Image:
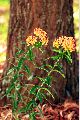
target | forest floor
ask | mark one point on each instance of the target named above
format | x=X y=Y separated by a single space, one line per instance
x=67 y=111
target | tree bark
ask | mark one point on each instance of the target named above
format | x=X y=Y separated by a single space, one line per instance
x=53 y=16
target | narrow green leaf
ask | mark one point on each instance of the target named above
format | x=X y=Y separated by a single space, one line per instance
x=18 y=86
x=19 y=97
x=49 y=66
x=43 y=69
x=34 y=88
x=58 y=66
x=22 y=110
x=39 y=96
x=20 y=63
x=32 y=116
x=57 y=50
x=19 y=52
x=48 y=80
x=15 y=104
x=11 y=70
x=9 y=89
x=30 y=54
x=44 y=95
x=15 y=77
x=41 y=79
x=46 y=89
x=55 y=57
x=27 y=69
x=31 y=105
x=62 y=74
x=68 y=57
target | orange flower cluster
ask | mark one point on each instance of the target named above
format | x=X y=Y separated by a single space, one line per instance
x=42 y=35
x=39 y=35
x=31 y=40
x=67 y=43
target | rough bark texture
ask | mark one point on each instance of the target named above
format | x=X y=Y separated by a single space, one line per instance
x=53 y=16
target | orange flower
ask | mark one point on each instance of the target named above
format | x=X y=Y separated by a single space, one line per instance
x=44 y=41
x=67 y=43
x=39 y=31
x=31 y=40
x=42 y=35
x=56 y=43
x=39 y=35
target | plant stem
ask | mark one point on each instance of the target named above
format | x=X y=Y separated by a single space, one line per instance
x=53 y=67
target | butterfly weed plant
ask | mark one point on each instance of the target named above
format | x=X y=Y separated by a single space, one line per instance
x=62 y=46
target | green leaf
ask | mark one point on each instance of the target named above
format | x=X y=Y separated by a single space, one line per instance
x=48 y=80
x=20 y=63
x=32 y=116
x=39 y=96
x=58 y=66
x=22 y=110
x=21 y=75
x=44 y=95
x=43 y=69
x=41 y=79
x=57 y=50
x=15 y=102
x=19 y=97
x=27 y=69
x=69 y=60
x=10 y=88
x=19 y=52
x=68 y=57
x=46 y=89
x=62 y=74
x=15 y=77
x=30 y=54
x=31 y=105
x=11 y=70
x=34 y=88
x=55 y=57
x=18 y=87
x=49 y=66
x=38 y=44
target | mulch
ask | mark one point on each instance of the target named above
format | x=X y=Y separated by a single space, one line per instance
x=66 y=111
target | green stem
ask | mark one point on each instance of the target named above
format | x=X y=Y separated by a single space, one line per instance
x=53 y=67
x=39 y=90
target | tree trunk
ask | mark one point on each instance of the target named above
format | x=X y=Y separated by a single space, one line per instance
x=53 y=16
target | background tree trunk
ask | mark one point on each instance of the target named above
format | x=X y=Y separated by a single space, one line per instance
x=53 y=16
